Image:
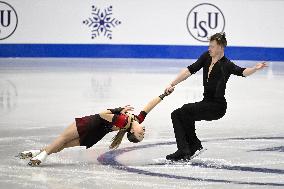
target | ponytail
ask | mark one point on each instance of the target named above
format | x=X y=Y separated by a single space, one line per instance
x=116 y=140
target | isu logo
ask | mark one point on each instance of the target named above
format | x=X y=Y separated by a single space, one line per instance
x=204 y=20
x=8 y=20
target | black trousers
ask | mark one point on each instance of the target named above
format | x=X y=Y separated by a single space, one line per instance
x=184 y=118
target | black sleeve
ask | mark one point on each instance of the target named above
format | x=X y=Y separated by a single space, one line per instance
x=116 y=110
x=196 y=66
x=236 y=70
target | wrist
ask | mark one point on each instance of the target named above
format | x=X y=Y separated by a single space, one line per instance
x=116 y=110
x=162 y=96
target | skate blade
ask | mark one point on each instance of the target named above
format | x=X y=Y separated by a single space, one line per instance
x=24 y=155
x=198 y=153
x=164 y=161
x=34 y=163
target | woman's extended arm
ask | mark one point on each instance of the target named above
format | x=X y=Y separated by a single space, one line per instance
x=109 y=113
x=154 y=102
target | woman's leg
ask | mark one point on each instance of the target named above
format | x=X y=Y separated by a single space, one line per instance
x=72 y=143
x=68 y=135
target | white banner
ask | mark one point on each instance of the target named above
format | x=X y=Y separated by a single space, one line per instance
x=256 y=23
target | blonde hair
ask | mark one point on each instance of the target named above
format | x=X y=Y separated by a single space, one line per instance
x=116 y=140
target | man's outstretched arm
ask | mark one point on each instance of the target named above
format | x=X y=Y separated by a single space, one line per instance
x=258 y=66
x=183 y=75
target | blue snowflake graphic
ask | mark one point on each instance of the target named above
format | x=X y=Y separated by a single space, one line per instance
x=101 y=22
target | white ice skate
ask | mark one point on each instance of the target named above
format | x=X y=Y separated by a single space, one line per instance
x=35 y=161
x=28 y=154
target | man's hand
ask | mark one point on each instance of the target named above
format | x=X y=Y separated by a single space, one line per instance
x=169 y=89
x=261 y=65
x=126 y=109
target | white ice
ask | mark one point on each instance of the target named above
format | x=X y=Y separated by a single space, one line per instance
x=40 y=97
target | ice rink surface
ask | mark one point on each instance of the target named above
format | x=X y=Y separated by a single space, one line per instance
x=41 y=97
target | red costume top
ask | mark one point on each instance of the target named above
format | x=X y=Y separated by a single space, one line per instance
x=121 y=120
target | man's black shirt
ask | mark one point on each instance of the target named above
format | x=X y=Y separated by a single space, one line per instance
x=215 y=85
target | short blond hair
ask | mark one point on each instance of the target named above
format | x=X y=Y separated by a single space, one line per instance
x=220 y=38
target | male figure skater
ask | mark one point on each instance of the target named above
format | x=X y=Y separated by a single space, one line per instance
x=216 y=72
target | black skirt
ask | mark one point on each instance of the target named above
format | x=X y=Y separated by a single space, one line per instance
x=92 y=129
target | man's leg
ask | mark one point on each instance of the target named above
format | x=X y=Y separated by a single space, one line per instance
x=204 y=110
x=191 y=137
x=180 y=135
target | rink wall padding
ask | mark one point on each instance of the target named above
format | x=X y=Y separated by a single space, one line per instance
x=135 y=51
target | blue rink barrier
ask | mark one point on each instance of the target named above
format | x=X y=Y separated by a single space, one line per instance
x=134 y=51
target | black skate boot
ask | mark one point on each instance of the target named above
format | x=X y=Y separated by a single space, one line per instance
x=194 y=151
x=175 y=156
x=178 y=155
x=196 y=147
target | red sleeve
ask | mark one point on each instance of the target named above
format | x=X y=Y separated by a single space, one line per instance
x=120 y=120
x=141 y=116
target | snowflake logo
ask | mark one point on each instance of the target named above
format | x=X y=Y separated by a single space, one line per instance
x=101 y=22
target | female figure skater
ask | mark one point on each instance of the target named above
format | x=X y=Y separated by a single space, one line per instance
x=88 y=130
